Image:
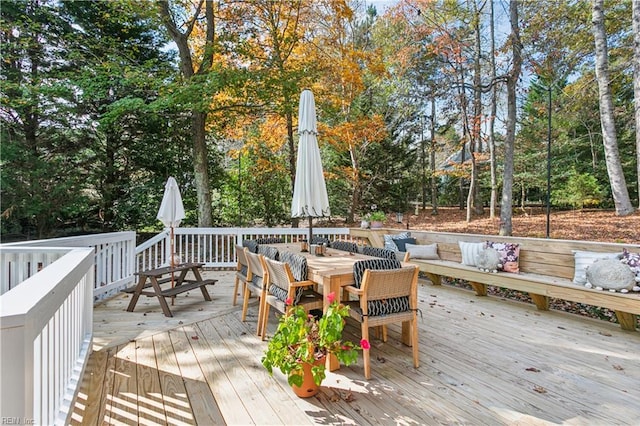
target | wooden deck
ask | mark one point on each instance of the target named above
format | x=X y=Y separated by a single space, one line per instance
x=484 y=361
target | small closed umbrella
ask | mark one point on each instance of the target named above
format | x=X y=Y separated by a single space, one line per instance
x=309 y=192
x=171 y=213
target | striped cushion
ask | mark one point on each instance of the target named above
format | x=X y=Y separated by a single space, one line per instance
x=297 y=264
x=469 y=252
x=345 y=246
x=379 y=252
x=251 y=244
x=270 y=252
x=386 y=306
x=282 y=294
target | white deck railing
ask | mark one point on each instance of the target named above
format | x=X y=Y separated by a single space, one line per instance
x=215 y=247
x=46 y=330
x=114 y=258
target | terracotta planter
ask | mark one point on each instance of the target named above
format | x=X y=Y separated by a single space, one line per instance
x=308 y=387
x=376 y=224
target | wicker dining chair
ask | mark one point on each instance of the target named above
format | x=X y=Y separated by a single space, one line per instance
x=349 y=246
x=242 y=268
x=282 y=285
x=386 y=296
x=256 y=284
x=379 y=252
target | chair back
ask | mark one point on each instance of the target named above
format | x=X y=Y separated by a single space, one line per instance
x=270 y=240
x=257 y=268
x=243 y=265
x=297 y=264
x=268 y=251
x=379 y=252
x=391 y=283
x=252 y=245
x=349 y=246
x=376 y=264
x=320 y=240
x=280 y=280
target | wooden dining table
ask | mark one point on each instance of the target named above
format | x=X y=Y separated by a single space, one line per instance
x=332 y=271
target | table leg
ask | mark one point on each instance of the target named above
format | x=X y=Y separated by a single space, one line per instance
x=136 y=293
x=163 y=302
x=203 y=289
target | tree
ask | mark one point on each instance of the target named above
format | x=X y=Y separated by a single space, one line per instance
x=612 y=156
x=636 y=84
x=193 y=70
x=506 y=208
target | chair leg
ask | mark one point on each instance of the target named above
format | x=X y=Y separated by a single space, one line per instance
x=265 y=321
x=235 y=291
x=261 y=303
x=414 y=341
x=384 y=333
x=245 y=302
x=365 y=352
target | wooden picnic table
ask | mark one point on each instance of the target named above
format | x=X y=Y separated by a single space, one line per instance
x=154 y=278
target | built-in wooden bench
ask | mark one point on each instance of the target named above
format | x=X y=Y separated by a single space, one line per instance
x=546 y=269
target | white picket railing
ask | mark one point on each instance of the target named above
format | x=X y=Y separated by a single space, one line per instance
x=46 y=331
x=114 y=259
x=215 y=247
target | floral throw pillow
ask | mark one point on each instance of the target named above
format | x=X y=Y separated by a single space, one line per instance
x=509 y=255
x=633 y=261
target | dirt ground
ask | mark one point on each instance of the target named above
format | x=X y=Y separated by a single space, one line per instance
x=590 y=225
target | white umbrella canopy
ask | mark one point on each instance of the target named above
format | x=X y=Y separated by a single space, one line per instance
x=171 y=211
x=309 y=192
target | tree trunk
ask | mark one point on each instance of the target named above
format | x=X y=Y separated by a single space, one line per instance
x=636 y=84
x=201 y=169
x=198 y=118
x=477 y=117
x=506 y=207
x=434 y=184
x=492 y=119
x=607 y=122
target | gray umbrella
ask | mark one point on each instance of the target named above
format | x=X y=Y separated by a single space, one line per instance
x=309 y=192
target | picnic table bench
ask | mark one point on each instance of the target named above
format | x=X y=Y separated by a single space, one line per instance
x=546 y=266
x=154 y=278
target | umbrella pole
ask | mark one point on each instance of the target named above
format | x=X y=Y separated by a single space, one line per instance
x=310 y=230
x=171 y=264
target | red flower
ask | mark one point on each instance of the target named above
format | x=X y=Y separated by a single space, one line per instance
x=289 y=301
x=331 y=297
x=364 y=344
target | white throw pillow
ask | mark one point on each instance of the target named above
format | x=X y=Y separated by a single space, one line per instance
x=585 y=258
x=469 y=252
x=423 y=251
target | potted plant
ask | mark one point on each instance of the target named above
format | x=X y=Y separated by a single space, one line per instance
x=377 y=219
x=302 y=342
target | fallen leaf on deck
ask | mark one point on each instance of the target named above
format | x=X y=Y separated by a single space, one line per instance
x=381 y=359
x=539 y=389
x=535 y=370
x=334 y=398
x=349 y=397
x=194 y=337
x=618 y=367
x=605 y=333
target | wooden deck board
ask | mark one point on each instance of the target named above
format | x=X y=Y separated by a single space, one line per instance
x=203 y=367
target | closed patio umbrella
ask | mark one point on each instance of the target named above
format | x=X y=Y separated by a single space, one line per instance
x=171 y=213
x=309 y=192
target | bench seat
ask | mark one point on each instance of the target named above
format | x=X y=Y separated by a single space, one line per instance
x=546 y=269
